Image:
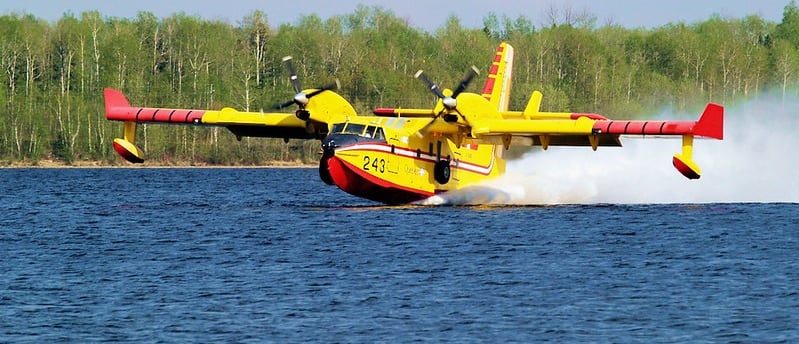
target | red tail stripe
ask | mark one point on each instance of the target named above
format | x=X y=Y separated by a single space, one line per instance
x=489 y=87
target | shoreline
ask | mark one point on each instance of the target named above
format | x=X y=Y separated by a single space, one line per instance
x=100 y=164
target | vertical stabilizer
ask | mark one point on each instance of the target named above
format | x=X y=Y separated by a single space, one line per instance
x=498 y=84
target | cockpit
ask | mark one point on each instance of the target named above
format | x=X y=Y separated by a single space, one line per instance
x=370 y=132
x=345 y=134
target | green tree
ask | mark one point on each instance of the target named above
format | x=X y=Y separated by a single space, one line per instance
x=788 y=29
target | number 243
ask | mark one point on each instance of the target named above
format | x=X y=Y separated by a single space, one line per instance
x=374 y=164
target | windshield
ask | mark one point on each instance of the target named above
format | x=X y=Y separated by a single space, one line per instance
x=361 y=130
x=356 y=129
x=337 y=128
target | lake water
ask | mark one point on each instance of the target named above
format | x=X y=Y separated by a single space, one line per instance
x=273 y=255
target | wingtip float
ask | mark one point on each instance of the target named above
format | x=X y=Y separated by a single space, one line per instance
x=398 y=155
x=116 y=102
x=709 y=125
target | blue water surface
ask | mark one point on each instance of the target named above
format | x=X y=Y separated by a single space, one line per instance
x=274 y=255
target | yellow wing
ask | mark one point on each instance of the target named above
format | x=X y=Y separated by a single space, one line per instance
x=320 y=111
x=533 y=127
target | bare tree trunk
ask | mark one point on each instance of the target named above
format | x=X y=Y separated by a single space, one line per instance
x=95 y=46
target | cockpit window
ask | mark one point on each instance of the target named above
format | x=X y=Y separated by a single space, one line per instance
x=356 y=129
x=374 y=132
x=362 y=130
x=379 y=134
x=337 y=128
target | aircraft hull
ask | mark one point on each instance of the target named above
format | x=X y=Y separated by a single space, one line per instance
x=396 y=175
x=355 y=181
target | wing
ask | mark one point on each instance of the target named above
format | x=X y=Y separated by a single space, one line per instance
x=476 y=119
x=321 y=110
x=586 y=129
x=546 y=129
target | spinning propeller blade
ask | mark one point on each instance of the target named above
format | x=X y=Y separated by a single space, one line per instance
x=301 y=98
x=284 y=105
x=450 y=103
x=329 y=87
x=295 y=81
x=430 y=85
x=473 y=72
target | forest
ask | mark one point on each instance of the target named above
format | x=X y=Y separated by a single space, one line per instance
x=53 y=73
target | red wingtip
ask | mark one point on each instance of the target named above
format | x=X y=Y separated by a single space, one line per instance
x=711 y=123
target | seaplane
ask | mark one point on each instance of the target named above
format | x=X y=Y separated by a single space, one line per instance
x=399 y=156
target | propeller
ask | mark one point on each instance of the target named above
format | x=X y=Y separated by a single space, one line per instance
x=301 y=98
x=449 y=102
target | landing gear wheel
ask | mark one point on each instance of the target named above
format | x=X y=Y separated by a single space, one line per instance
x=324 y=173
x=441 y=172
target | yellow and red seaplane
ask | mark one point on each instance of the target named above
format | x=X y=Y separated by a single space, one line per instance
x=397 y=156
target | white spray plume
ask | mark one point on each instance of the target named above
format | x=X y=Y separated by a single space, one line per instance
x=756 y=162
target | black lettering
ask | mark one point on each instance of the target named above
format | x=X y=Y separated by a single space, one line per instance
x=377 y=165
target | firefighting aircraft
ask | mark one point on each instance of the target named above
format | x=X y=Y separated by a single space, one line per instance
x=397 y=156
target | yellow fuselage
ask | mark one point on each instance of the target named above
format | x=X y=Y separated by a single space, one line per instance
x=384 y=161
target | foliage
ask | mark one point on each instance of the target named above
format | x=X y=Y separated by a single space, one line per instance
x=53 y=74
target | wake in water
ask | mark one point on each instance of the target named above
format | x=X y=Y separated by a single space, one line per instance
x=755 y=162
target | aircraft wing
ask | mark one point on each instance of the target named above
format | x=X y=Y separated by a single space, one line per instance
x=322 y=109
x=578 y=129
x=561 y=129
x=259 y=124
x=280 y=125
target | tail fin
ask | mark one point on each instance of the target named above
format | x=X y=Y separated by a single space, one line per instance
x=498 y=84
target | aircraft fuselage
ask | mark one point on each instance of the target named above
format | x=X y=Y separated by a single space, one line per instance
x=381 y=163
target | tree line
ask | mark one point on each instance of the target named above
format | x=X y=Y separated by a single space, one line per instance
x=53 y=73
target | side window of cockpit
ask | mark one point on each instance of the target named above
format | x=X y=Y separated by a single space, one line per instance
x=379 y=134
x=374 y=132
x=370 y=131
